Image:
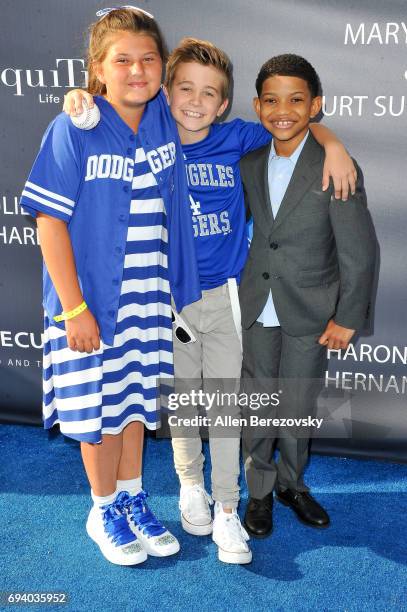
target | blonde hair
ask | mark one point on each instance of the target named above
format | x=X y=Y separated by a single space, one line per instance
x=202 y=52
x=118 y=20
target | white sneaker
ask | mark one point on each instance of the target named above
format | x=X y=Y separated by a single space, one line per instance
x=157 y=541
x=108 y=527
x=230 y=537
x=196 y=515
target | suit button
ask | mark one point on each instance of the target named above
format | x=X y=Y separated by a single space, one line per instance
x=273 y=245
x=266 y=275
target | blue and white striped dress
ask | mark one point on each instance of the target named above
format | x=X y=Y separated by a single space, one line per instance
x=101 y=393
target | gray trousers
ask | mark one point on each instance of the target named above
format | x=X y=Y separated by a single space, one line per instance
x=213 y=361
x=272 y=362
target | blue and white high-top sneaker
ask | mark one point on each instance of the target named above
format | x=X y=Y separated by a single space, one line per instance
x=108 y=527
x=157 y=541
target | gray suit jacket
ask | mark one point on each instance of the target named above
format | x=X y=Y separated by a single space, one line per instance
x=317 y=256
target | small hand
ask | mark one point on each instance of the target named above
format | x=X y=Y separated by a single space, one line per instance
x=339 y=165
x=83 y=333
x=335 y=336
x=73 y=101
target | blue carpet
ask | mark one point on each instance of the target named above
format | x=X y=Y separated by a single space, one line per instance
x=358 y=564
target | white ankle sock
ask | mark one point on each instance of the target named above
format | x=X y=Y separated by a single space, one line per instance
x=103 y=501
x=133 y=486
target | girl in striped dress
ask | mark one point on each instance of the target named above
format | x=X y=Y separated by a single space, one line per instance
x=109 y=204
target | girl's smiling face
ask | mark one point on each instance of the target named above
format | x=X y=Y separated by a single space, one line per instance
x=131 y=70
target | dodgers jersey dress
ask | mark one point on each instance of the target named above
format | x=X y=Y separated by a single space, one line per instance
x=100 y=393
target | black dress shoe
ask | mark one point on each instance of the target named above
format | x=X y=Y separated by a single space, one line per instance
x=305 y=507
x=258 y=519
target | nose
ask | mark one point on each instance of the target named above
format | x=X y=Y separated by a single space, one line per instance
x=283 y=108
x=137 y=68
x=196 y=101
x=195 y=98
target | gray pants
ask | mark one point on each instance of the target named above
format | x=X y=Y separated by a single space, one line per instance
x=294 y=365
x=216 y=354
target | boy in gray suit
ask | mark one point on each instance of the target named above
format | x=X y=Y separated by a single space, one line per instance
x=306 y=285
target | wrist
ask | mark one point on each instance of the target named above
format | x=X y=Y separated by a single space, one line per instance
x=72 y=302
x=67 y=315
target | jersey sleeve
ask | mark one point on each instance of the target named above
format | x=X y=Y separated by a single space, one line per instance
x=251 y=135
x=53 y=184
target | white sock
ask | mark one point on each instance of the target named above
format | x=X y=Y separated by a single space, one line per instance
x=98 y=500
x=133 y=486
x=220 y=507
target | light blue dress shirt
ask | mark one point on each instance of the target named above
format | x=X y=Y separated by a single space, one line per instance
x=280 y=170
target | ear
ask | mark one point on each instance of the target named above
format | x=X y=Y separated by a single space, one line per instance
x=222 y=107
x=316 y=106
x=167 y=94
x=99 y=72
x=256 y=106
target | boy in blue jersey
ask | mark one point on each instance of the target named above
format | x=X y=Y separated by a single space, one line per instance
x=197 y=84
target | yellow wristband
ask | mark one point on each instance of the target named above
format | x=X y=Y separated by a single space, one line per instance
x=65 y=316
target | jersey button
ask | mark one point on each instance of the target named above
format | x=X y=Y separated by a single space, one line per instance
x=129 y=151
x=266 y=275
x=115 y=281
x=122 y=217
x=118 y=250
x=273 y=245
x=131 y=137
x=126 y=188
x=111 y=313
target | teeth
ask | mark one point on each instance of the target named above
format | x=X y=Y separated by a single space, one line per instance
x=283 y=123
x=192 y=114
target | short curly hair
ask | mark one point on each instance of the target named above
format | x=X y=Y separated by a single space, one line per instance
x=289 y=64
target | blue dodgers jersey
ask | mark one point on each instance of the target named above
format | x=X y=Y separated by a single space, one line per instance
x=216 y=198
x=85 y=179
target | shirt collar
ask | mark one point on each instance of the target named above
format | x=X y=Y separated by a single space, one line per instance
x=294 y=156
x=113 y=117
x=148 y=120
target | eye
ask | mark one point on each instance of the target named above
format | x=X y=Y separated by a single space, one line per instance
x=296 y=100
x=209 y=93
x=269 y=100
x=122 y=60
x=185 y=88
x=149 y=59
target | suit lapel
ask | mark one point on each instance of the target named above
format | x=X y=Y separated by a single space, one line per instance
x=304 y=174
x=262 y=188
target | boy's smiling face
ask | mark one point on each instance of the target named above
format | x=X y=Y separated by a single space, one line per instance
x=196 y=100
x=285 y=108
